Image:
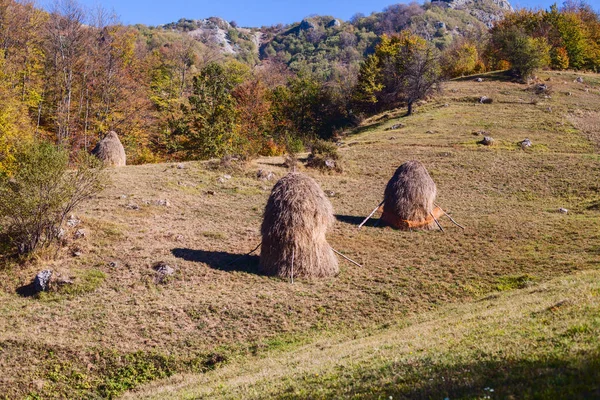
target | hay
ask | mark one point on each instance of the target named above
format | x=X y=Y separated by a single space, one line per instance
x=409 y=198
x=295 y=221
x=110 y=151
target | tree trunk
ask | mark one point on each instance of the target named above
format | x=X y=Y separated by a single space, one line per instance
x=410 y=108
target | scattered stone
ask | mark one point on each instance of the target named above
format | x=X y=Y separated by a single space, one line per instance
x=264 y=175
x=180 y=166
x=487 y=141
x=446 y=105
x=123 y=196
x=481 y=133
x=41 y=282
x=549 y=109
x=329 y=193
x=80 y=233
x=163 y=271
x=113 y=264
x=569 y=94
x=132 y=206
x=541 y=87
x=586 y=90
x=211 y=192
x=430 y=132
x=394 y=127
x=579 y=79
x=61 y=233
x=549 y=79
x=563 y=210
x=163 y=203
x=76 y=253
x=221 y=180
x=73 y=221
x=392 y=138
x=179 y=238
x=479 y=80
x=485 y=100
x=525 y=143
x=329 y=163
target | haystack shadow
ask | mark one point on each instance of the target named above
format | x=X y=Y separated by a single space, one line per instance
x=357 y=219
x=221 y=260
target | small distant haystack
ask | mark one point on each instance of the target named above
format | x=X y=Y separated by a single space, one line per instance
x=409 y=198
x=110 y=151
x=295 y=221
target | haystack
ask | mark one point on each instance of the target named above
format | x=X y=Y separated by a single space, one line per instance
x=295 y=221
x=110 y=150
x=409 y=199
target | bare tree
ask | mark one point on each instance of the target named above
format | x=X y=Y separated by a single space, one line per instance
x=65 y=47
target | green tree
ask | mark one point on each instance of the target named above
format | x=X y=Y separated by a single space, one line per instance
x=209 y=126
x=525 y=53
x=369 y=84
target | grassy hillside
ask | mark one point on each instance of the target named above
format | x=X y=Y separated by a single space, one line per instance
x=119 y=325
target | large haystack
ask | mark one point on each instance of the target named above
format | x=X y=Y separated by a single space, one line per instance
x=409 y=198
x=296 y=218
x=110 y=151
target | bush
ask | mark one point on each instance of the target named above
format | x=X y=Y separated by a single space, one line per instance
x=324 y=156
x=42 y=192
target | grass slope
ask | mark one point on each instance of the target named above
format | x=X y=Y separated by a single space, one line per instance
x=539 y=342
x=120 y=327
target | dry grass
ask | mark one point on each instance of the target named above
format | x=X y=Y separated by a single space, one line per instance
x=409 y=197
x=295 y=222
x=110 y=150
x=506 y=197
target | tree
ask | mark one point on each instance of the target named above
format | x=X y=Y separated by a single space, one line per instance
x=404 y=68
x=525 y=53
x=209 y=126
x=369 y=84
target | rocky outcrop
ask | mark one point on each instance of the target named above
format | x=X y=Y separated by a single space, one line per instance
x=487 y=11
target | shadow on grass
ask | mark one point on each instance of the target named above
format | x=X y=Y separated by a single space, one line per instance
x=26 y=290
x=221 y=260
x=356 y=220
x=496 y=76
x=364 y=128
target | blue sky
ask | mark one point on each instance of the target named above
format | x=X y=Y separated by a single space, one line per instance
x=254 y=13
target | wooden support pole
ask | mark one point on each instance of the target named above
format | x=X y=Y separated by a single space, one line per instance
x=370 y=215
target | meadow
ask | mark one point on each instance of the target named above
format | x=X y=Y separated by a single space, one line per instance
x=510 y=304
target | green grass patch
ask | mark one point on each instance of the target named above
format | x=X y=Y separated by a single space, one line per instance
x=514 y=282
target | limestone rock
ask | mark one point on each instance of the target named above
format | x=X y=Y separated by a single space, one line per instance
x=41 y=282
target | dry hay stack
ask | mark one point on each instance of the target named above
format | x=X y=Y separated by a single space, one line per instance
x=296 y=219
x=409 y=198
x=110 y=151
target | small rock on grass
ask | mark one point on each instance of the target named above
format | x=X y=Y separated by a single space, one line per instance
x=264 y=175
x=41 y=282
x=163 y=271
x=80 y=233
x=563 y=210
x=525 y=143
x=487 y=141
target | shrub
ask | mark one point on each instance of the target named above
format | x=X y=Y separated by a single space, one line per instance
x=42 y=192
x=324 y=156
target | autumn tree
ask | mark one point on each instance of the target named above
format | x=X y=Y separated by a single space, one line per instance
x=525 y=53
x=209 y=126
x=404 y=69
